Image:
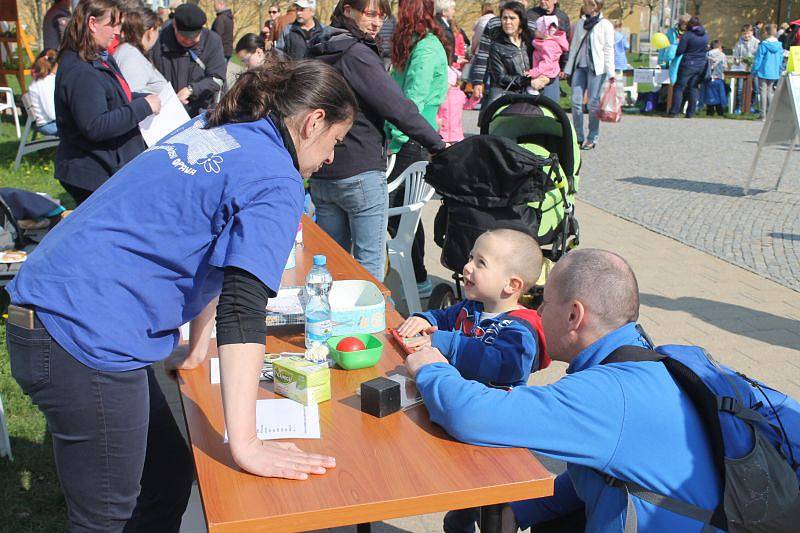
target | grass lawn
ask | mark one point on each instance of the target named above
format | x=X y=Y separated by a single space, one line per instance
x=29 y=492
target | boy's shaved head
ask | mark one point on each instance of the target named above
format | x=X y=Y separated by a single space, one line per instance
x=521 y=254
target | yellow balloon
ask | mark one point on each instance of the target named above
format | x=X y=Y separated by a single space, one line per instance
x=659 y=40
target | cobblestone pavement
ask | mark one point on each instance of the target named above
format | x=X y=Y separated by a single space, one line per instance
x=685 y=179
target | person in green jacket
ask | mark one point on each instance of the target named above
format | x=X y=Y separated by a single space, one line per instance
x=419 y=66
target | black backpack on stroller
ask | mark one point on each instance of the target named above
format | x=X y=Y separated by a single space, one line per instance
x=486 y=182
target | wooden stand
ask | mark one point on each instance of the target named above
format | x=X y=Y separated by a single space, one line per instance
x=9 y=14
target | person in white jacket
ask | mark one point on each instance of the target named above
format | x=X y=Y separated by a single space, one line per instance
x=139 y=33
x=590 y=64
x=42 y=92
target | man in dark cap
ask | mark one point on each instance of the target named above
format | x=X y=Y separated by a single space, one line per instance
x=191 y=58
x=54 y=23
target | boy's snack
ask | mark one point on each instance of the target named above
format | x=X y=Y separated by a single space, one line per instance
x=380 y=397
x=302 y=380
x=401 y=343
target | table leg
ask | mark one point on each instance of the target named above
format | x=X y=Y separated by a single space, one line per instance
x=364 y=528
x=747 y=93
x=669 y=98
x=733 y=96
x=491 y=518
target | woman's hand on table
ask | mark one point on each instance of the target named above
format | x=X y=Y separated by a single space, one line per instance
x=180 y=359
x=280 y=459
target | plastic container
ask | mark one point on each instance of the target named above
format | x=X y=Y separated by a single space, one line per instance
x=359 y=359
x=319 y=326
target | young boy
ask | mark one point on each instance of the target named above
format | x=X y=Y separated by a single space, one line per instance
x=767 y=65
x=489 y=337
x=716 y=93
x=743 y=54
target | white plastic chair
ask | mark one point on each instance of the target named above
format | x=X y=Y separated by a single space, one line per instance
x=38 y=141
x=389 y=167
x=5 y=444
x=8 y=103
x=417 y=194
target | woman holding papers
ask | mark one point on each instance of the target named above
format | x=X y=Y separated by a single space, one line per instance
x=97 y=113
x=139 y=33
x=200 y=224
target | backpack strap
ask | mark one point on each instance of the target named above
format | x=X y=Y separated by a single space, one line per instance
x=531 y=320
x=707 y=405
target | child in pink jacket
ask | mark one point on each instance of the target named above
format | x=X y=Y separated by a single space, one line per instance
x=547 y=50
x=451 y=129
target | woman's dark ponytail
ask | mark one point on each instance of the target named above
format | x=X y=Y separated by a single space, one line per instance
x=287 y=88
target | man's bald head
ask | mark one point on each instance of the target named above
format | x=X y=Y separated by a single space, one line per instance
x=602 y=281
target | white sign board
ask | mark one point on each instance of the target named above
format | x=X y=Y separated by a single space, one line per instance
x=782 y=124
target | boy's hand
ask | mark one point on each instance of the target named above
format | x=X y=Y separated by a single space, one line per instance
x=420 y=341
x=413 y=325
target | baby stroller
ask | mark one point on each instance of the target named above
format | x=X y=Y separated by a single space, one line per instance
x=521 y=172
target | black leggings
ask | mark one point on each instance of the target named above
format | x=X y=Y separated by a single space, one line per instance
x=78 y=194
x=410 y=153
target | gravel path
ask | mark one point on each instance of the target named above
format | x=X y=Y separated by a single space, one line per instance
x=685 y=179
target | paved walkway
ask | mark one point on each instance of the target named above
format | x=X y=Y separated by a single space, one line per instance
x=688 y=296
x=685 y=179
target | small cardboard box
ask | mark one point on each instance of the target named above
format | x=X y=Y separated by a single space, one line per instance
x=301 y=380
x=357 y=306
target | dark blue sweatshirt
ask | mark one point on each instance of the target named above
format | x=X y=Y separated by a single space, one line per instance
x=501 y=350
x=693 y=46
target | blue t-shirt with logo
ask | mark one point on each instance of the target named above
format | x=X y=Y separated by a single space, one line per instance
x=146 y=252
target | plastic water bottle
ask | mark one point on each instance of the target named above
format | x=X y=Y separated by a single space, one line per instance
x=319 y=326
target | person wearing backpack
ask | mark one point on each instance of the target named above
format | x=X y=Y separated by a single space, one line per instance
x=642 y=452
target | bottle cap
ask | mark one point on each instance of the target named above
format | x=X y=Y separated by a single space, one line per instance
x=320 y=260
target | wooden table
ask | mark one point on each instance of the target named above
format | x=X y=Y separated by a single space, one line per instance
x=399 y=465
x=747 y=89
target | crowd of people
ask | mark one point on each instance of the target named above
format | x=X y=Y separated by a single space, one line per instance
x=698 y=64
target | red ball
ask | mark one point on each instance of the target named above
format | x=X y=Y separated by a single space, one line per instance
x=350 y=344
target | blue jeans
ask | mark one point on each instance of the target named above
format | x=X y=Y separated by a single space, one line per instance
x=552 y=90
x=48 y=129
x=353 y=211
x=121 y=460
x=584 y=79
x=689 y=79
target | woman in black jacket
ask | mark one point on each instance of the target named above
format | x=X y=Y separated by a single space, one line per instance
x=510 y=53
x=97 y=115
x=692 y=50
x=351 y=195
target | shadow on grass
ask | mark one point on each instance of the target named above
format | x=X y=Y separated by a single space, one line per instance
x=29 y=491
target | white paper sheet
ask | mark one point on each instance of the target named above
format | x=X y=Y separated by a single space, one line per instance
x=285 y=419
x=173 y=114
x=286 y=302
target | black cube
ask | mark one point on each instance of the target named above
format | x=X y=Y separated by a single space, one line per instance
x=380 y=397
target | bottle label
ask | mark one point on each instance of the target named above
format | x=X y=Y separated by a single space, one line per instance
x=318 y=330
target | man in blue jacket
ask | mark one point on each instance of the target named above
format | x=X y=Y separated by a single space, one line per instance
x=629 y=420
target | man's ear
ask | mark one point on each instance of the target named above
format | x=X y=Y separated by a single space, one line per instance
x=313 y=124
x=577 y=315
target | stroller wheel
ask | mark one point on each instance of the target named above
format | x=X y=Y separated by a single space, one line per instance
x=442 y=297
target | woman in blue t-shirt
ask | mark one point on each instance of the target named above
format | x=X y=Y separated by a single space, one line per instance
x=202 y=221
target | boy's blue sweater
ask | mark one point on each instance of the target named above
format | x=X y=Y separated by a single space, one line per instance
x=769 y=60
x=495 y=351
x=630 y=420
